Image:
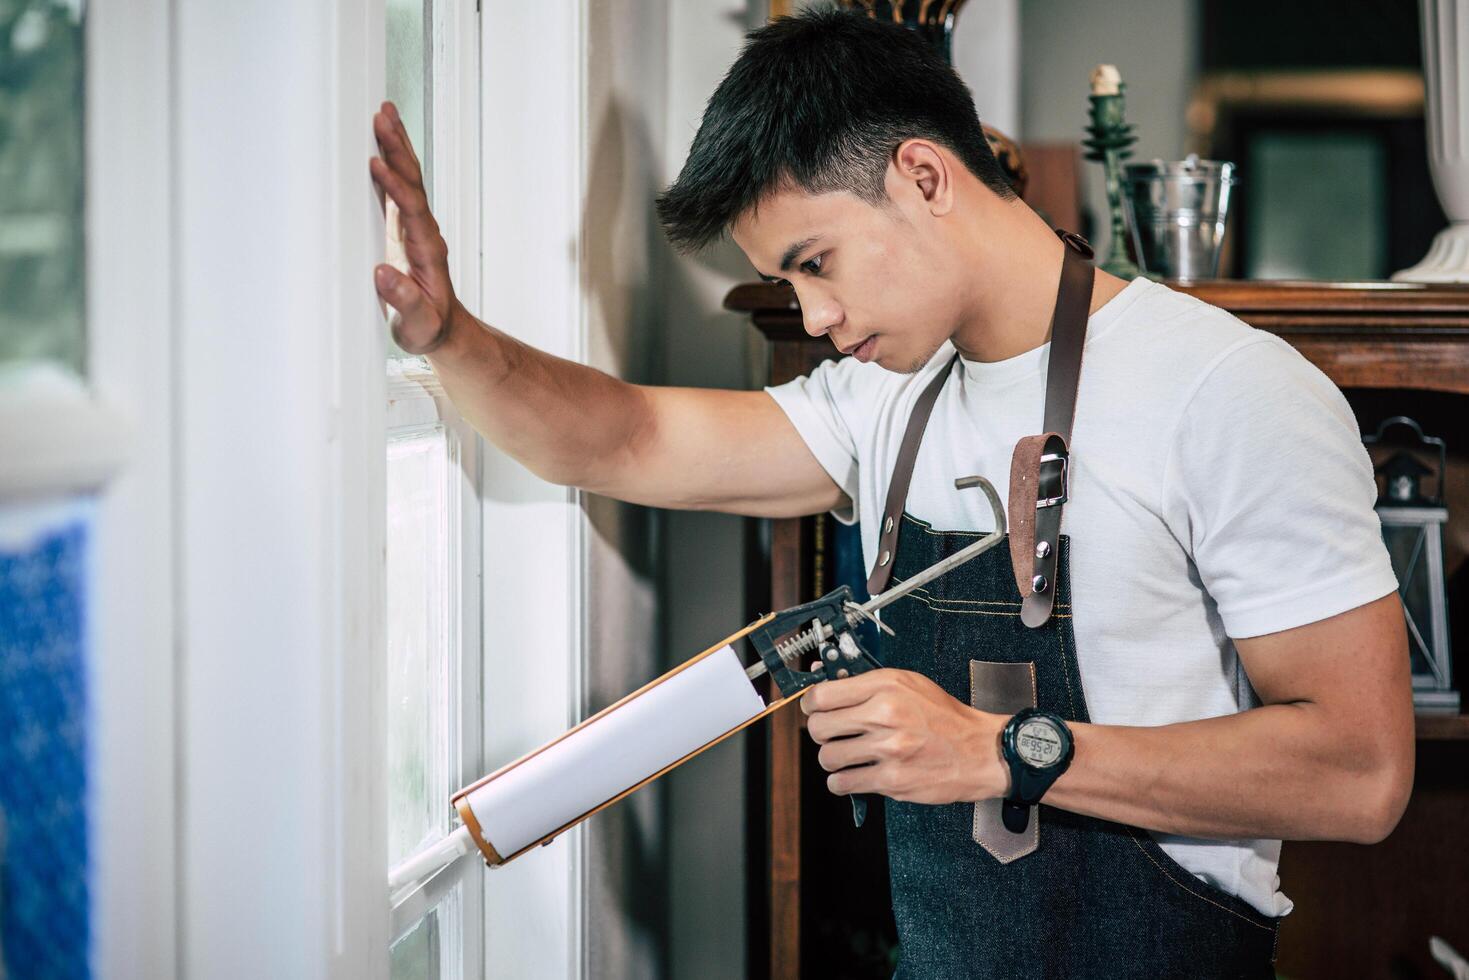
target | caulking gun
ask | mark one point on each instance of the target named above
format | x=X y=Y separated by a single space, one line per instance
x=670 y=720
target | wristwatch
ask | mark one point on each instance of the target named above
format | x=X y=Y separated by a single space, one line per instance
x=1037 y=747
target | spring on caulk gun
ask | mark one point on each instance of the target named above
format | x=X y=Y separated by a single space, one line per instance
x=810 y=640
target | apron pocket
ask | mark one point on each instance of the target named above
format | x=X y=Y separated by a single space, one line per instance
x=1002 y=689
x=1223 y=902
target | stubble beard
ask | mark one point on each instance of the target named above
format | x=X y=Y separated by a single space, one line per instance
x=917 y=364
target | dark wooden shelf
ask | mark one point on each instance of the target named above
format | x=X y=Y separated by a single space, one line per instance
x=1355 y=304
x=1403 y=303
x=1362 y=334
x=1442 y=728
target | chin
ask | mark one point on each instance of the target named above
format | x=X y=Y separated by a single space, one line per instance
x=910 y=364
x=899 y=364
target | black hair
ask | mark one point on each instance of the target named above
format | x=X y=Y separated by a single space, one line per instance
x=820 y=101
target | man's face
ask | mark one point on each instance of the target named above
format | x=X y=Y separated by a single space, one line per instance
x=876 y=280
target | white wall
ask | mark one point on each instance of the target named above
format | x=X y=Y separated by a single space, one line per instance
x=665 y=868
x=986 y=46
x=704 y=585
x=1153 y=43
x=627 y=867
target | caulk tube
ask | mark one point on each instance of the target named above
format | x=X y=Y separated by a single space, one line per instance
x=612 y=753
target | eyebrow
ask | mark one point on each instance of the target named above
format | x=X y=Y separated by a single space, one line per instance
x=791 y=257
x=795 y=250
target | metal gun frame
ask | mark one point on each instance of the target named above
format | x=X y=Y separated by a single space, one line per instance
x=833 y=619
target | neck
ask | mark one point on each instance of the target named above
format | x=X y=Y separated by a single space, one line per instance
x=1009 y=311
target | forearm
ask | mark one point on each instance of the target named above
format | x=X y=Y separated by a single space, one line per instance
x=709 y=449
x=1285 y=771
x=566 y=422
x=1329 y=757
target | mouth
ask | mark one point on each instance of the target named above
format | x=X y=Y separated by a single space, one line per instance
x=862 y=351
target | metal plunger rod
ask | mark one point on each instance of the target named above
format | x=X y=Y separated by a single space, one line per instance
x=808 y=640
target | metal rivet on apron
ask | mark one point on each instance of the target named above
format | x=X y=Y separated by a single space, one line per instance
x=884 y=558
x=1038 y=583
x=887 y=524
x=1042 y=549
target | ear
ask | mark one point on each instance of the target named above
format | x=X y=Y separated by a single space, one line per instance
x=919 y=164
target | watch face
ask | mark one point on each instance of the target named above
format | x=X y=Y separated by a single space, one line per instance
x=1038 y=742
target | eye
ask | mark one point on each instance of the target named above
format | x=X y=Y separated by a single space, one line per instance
x=813 y=264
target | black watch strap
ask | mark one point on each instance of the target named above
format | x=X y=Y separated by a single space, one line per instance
x=1016 y=815
x=1026 y=792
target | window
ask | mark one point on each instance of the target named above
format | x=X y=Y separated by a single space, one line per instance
x=433 y=648
x=41 y=182
x=432 y=541
x=421 y=532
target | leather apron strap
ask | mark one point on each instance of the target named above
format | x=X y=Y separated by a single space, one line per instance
x=892 y=513
x=1038 y=486
x=1038 y=468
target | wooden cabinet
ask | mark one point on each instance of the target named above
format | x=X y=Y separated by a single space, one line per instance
x=819 y=904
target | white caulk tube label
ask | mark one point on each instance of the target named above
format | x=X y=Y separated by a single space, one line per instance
x=621 y=749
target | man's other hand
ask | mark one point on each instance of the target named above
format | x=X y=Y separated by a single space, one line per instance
x=424 y=297
x=897 y=733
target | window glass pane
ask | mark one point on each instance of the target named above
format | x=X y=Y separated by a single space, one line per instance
x=431 y=949
x=410 y=84
x=421 y=531
x=41 y=181
x=410 y=26
x=1407 y=544
x=416 y=955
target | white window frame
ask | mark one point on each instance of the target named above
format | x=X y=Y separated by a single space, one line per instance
x=534 y=533
x=130 y=331
x=535 y=145
x=416 y=399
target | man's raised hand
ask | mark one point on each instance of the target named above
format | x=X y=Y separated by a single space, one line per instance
x=424 y=297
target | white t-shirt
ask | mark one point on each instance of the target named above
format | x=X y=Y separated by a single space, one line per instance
x=1218 y=488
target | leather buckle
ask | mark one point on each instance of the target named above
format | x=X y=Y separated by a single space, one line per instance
x=1077 y=242
x=1061 y=499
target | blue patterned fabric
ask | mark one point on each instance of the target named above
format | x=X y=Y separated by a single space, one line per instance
x=44 y=930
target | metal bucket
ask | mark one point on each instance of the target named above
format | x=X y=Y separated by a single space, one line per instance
x=1176 y=210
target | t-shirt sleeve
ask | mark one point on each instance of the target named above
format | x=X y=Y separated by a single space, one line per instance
x=815 y=405
x=1269 y=486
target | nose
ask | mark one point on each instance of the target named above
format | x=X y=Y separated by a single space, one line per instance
x=820 y=314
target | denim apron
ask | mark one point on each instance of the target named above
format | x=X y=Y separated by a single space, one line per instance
x=1095 y=898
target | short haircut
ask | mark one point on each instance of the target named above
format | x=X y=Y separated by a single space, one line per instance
x=819 y=102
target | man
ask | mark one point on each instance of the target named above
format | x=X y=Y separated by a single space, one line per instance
x=1226 y=651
